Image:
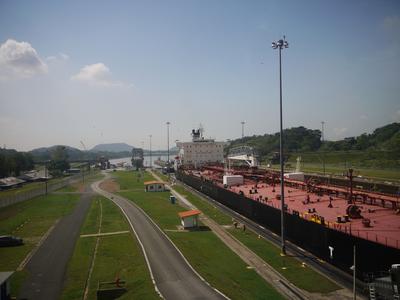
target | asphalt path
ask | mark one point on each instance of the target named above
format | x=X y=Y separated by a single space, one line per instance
x=173 y=276
x=47 y=266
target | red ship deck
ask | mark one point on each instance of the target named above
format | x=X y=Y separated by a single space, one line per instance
x=382 y=210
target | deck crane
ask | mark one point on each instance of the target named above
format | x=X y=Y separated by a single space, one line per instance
x=83 y=145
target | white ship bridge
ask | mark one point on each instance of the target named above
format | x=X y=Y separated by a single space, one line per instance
x=246 y=154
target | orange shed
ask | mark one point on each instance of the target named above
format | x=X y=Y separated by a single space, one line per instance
x=189 y=218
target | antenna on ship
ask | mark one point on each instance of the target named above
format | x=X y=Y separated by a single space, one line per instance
x=201 y=131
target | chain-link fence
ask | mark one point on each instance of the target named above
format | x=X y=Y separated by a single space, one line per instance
x=40 y=190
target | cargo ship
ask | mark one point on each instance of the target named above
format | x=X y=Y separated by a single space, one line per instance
x=327 y=220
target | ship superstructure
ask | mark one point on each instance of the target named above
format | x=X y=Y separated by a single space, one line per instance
x=200 y=151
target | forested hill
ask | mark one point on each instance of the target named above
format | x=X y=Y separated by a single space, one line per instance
x=13 y=162
x=301 y=139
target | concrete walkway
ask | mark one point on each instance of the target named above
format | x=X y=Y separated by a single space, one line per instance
x=273 y=277
x=172 y=275
x=104 y=233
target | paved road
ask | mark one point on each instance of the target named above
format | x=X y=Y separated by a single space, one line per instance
x=173 y=276
x=48 y=265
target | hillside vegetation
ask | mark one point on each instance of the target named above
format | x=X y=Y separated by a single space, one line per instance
x=380 y=149
x=13 y=162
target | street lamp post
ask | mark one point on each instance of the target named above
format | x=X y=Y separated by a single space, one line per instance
x=168 y=144
x=322 y=138
x=243 y=122
x=151 y=162
x=280 y=45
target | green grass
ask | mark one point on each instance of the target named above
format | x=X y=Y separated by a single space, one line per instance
x=207 y=208
x=69 y=188
x=157 y=206
x=222 y=268
x=117 y=255
x=78 y=268
x=24 y=189
x=132 y=179
x=30 y=220
x=333 y=169
x=161 y=175
x=303 y=277
x=379 y=165
x=33 y=186
x=28 y=187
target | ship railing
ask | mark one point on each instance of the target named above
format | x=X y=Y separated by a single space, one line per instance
x=365 y=234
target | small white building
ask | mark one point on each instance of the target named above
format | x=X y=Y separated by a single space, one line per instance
x=299 y=176
x=200 y=150
x=154 y=186
x=189 y=218
x=230 y=180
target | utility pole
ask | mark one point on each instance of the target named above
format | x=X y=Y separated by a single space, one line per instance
x=243 y=122
x=354 y=273
x=151 y=162
x=168 y=144
x=45 y=174
x=323 y=139
x=280 y=45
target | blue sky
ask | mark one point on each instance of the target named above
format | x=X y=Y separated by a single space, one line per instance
x=117 y=71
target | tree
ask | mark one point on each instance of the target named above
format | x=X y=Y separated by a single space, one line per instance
x=59 y=160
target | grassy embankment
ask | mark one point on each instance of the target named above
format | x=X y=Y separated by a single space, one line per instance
x=30 y=220
x=291 y=268
x=222 y=268
x=117 y=256
x=78 y=186
x=28 y=187
x=364 y=163
x=33 y=186
x=300 y=275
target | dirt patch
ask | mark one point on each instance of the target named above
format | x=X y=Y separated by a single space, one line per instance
x=110 y=186
x=81 y=187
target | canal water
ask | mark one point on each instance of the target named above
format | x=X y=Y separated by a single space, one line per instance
x=146 y=161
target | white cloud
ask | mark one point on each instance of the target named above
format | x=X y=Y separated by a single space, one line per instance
x=96 y=74
x=19 y=60
x=59 y=57
x=363 y=117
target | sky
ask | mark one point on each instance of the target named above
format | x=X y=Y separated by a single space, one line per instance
x=117 y=71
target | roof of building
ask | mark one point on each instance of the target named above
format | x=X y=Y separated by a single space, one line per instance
x=153 y=182
x=189 y=213
x=4 y=276
x=10 y=181
x=35 y=175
